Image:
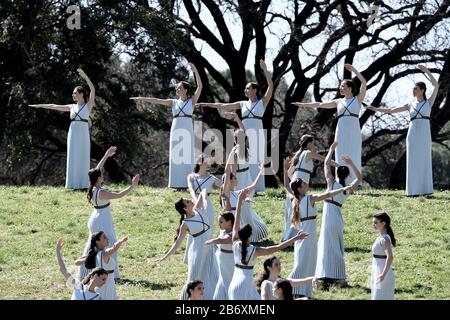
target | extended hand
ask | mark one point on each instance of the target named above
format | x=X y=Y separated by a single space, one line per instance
x=135 y=180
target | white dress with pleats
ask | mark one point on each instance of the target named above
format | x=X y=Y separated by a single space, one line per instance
x=225 y=261
x=384 y=290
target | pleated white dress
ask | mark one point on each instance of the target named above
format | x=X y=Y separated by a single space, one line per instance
x=225 y=262
x=202 y=264
x=199 y=184
x=252 y=114
x=305 y=251
x=249 y=216
x=81 y=292
x=419 y=172
x=78 y=148
x=243 y=176
x=181 y=154
x=348 y=131
x=108 y=290
x=384 y=290
x=101 y=220
x=289 y=229
x=242 y=286
x=330 y=248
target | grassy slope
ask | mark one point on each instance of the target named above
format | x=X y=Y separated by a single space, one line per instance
x=32 y=218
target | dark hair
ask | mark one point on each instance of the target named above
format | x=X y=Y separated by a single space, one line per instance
x=97 y=271
x=93 y=174
x=238 y=134
x=256 y=86
x=228 y=216
x=264 y=275
x=191 y=286
x=423 y=87
x=92 y=253
x=179 y=205
x=82 y=90
x=188 y=87
x=286 y=288
x=350 y=83
x=296 y=202
x=343 y=172
x=304 y=141
x=244 y=234
x=384 y=217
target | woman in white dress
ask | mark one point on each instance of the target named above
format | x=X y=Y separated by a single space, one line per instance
x=252 y=112
x=101 y=255
x=224 y=255
x=202 y=264
x=78 y=138
x=195 y=290
x=86 y=289
x=181 y=149
x=419 y=171
x=348 y=130
x=101 y=218
x=304 y=214
x=248 y=215
x=242 y=286
x=382 y=282
x=330 y=249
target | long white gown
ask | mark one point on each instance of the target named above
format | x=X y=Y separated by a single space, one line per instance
x=202 y=264
x=242 y=286
x=252 y=120
x=384 y=290
x=100 y=220
x=225 y=262
x=348 y=131
x=330 y=248
x=305 y=250
x=419 y=172
x=181 y=155
x=78 y=148
x=108 y=290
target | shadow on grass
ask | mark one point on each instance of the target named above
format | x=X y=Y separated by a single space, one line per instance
x=145 y=284
x=357 y=249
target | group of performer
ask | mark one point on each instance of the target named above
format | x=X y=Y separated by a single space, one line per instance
x=222 y=266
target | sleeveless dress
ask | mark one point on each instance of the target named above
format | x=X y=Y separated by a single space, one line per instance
x=305 y=250
x=330 y=249
x=108 y=290
x=249 y=216
x=100 y=220
x=199 y=184
x=202 y=262
x=242 y=286
x=419 y=173
x=348 y=131
x=270 y=285
x=225 y=262
x=384 y=290
x=181 y=154
x=252 y=120
x=81 y=292
x=78 y=148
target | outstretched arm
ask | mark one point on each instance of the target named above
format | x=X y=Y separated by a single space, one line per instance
x=264 y=251
x=348 y=161
x=162 y=102
x=107 y=195
x=363 y=88
x=176 y=244
x=435 y=83
x=327 y=166
x=198 y=91
x=109 y=153
x=329 y=193
x=62 y=266
x=228 y=167
x=190 y=177
x=237 y=220
x=286 y=177
x=316 y=105
x=235 y=118
x=51 y=106
x=269 y=91
x=315 y=156
x=91 y=102
x=116 y=246
x=388 y=110
x=217 y=105
x=255 y=183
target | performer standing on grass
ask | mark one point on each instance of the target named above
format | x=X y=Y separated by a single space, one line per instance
x=182 y=154
x=78 y=138
x=252 y=113
x=419 y=171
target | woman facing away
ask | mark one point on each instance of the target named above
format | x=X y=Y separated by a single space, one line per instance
x=348 y=130
x=242 y=286
x=78 y=138
x=101 y=218
x=252 y=112
x=88 y=288
x=419 y=171
x=181 y=148
x=382 y=281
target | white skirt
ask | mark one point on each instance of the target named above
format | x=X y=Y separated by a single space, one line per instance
x=348 y=133
x=181 y=152
x=78 y=155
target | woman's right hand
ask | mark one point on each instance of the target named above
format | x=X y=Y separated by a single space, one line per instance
x=59 y=244
x=111 y=151
x=135 y=180
x=302 y=235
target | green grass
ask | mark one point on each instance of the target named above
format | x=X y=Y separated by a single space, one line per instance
x=33 y=218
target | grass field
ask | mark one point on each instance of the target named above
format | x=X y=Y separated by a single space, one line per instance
x=33 y=218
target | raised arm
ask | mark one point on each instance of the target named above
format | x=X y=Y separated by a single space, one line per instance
x=162 y=102
x=264 y=251
x=228 y=167
x=109 y=153
x=198 y=91
x=348 y=161
x=107 y=195
x=286 y=181
x=190 y=178
x=363 y=88
x=233 y=116
x=218 y=105
x=316 y=105
x=388 y=110
x=116 y=246
x=237 y=220
x=255 y=183
x=327 y=165
x=62 y=266
x=176 y=244
x=51 y=106
x=269 y=91
x=435 y=83
x=91 y=102
x=201 y=200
